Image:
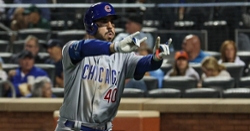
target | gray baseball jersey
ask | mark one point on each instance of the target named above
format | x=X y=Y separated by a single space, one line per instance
x=94 y=86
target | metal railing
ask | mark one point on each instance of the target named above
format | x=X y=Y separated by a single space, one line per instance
x=133 y=5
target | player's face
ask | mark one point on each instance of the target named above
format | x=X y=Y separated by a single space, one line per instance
x=26 y=64
x=229 y=52
x=32 y=47
x=47 y=90
x=106 y=29
x=182 y=63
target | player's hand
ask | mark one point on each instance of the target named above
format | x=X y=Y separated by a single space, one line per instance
x=129 y=43
x=161 y=51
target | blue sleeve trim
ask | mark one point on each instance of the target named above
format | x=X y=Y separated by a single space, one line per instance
x=80 y=49
x=146 y=63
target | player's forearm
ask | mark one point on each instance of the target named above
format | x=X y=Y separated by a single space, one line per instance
x=84 y=48
x=145 y=64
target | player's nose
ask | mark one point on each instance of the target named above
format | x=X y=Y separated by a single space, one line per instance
x=109 y=25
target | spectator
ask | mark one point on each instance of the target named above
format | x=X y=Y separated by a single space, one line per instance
x=3 y=74
x=45 y=12
x=134 y=24
x=42 y=88
x=192 y=45
x=31 y=44
x=19 y=21
x=229 y=53
x=2 y=9
x=211 y=68
x=35 y=20
x=24 y=76
x=54 y=48
x=159 y=74
x=181 y=67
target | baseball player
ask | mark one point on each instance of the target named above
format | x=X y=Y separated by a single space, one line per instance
x=95 y=70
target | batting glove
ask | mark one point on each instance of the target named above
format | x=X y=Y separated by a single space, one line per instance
x=129 y=43
x=161 y=51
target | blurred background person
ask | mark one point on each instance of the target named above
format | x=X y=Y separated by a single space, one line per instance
x=133 y=24
x=229 y=53
x=3 y=74
x=2 y=10
x=211 y=68
x=42 y=88
x=19 y=21
x=24 y=76
x=35 y=20
x=31 y=44
x=45 y=12
x=181 y=67
x=54 y=48
x=192 y=46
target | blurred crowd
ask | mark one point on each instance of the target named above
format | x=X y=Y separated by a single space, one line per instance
x=29 y=79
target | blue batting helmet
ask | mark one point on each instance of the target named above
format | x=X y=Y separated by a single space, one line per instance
x=95 y=12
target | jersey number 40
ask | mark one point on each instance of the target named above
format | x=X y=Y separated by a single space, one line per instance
x=111 y=95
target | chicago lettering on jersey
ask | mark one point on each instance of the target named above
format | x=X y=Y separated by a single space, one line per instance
x=100 y=74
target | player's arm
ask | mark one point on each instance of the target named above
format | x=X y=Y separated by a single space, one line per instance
x=151 y=62
x=83 y=48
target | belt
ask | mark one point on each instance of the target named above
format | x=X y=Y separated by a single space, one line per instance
x=71 y=124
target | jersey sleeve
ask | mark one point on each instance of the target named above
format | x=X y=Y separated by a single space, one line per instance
x=66 y=60
x=131 y=63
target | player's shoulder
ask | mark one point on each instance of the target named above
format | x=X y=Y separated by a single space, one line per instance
x=71 y=44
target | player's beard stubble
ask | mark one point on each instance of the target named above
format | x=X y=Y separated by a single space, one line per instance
x=107 y=36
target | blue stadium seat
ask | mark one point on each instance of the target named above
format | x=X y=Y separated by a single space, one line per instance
x=68 y=35
x=5 y=56
x=58 y=92
x=181 y=83
x=166 y=67
x=133 y=93
x=151 y=82
x=244 y=82
x=8 y=67
x=237 y=93
x=235 y=71
x=197 y=68
x=4 y=45
x=164 y=93
x=223 y=83
x=201 y=93
x=213 y=54
x=41 y=34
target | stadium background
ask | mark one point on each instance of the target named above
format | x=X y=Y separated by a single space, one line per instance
x=226 y=105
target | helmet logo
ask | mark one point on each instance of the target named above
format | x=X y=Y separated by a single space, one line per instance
x=107 y=8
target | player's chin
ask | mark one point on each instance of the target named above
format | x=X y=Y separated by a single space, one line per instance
x=109 y=38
